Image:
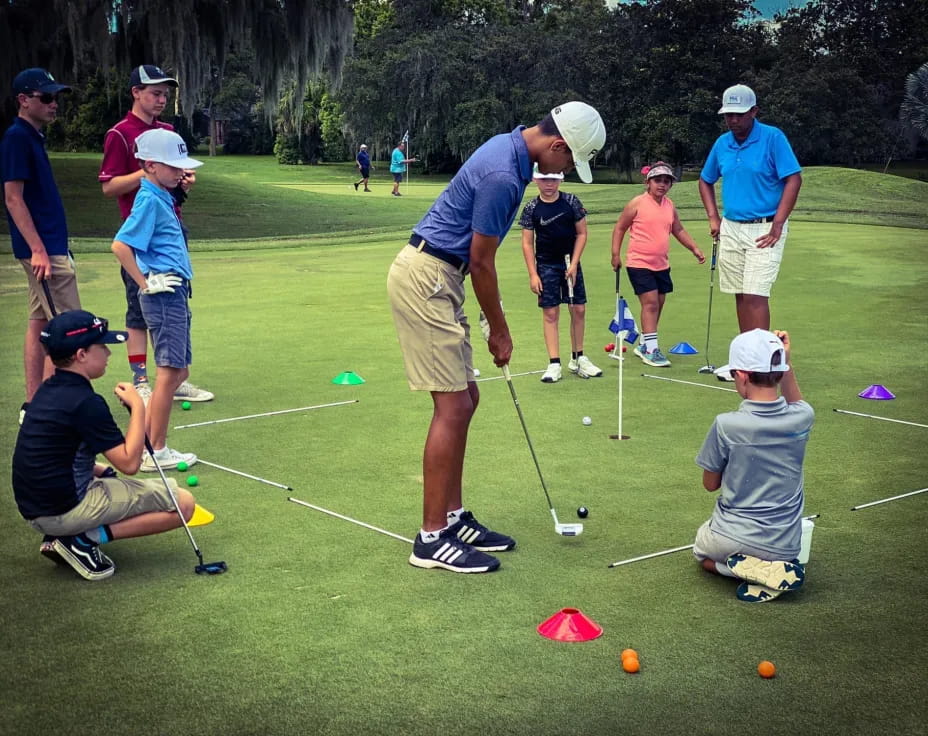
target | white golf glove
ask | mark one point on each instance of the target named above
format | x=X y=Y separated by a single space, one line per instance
x=161 y=282
x=484 y=325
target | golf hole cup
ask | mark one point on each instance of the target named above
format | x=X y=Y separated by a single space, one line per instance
x=805 y=546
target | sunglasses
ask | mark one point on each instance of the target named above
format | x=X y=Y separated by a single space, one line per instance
x=46 y=98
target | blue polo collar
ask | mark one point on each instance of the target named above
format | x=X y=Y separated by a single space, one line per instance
x=753 y=137
x=525 y=163
x=30 y=127
x=157 y=191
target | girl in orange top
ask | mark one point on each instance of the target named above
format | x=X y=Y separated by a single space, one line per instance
x=651 y=218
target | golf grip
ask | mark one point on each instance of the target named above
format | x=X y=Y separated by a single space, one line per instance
x=48 y=297
x=528 y=440
x=618 y=276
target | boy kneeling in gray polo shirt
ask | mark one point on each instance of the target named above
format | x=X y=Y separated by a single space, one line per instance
x=755 y=455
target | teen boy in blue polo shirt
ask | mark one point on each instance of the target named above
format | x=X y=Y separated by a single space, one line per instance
x=760 y=184
x=459 y=235
x=36 y=214
x=150 y=246
x=53 y=463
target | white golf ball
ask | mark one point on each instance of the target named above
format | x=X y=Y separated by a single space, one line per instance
x=587 y=421
x=477 y=372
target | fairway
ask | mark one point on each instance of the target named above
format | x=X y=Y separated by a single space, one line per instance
x=321 y=627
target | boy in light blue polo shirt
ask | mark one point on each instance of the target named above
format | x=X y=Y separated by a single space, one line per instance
x=755 y=456
x=150 y=246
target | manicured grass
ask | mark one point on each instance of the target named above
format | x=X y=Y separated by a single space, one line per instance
x=322 y=627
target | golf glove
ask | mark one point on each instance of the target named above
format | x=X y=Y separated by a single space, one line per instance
x=485 y=326
x=157 y=283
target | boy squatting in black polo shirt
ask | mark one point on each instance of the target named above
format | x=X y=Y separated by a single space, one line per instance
x=64 y=428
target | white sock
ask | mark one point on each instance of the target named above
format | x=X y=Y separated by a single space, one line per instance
x=430 y=536
x=453 y=516
x=650 y=341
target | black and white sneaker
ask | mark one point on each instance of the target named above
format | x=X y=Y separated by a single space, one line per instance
x=472 y=532
x=47 y=549
x=85 y=557
x=450 y=553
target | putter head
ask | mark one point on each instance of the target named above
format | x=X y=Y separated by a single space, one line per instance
x=211 y=568
x=569 y=530
x=707 y=369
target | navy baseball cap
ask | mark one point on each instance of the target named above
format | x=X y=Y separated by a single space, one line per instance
x=36 y=80
x=149 y=74
x=70 y=331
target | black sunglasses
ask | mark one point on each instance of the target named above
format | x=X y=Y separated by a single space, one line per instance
x=46 y=98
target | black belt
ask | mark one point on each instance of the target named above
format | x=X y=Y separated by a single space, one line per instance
x=417 y=242
x=755 y=221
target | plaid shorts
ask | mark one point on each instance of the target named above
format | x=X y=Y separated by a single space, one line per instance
x=743 y=267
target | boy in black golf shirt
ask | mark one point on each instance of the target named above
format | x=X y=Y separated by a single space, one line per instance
x=554 y=227
x=66 y=425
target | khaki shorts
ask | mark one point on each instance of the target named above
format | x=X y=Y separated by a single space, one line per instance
x=107 y=501
x=427 y=297
x=743 y=267
x=718 y=547
x=62 y=284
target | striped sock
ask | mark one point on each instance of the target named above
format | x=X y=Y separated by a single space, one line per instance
x=650 y=341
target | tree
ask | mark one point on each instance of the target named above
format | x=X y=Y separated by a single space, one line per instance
x=914 y=111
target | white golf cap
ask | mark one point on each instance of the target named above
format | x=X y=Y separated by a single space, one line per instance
x=363 y=145
x=536 y=174
x=757 y=351
x=738 y=99
x=582 y=127
x=165 y=147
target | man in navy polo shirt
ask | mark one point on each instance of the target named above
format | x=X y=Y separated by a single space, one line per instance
x=457 y=236
x=364 y=166
x=121 y=176
x=54 y=482
x=36 y=214
x=760 y=184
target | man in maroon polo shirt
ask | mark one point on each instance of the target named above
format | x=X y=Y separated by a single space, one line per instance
x=121 y=175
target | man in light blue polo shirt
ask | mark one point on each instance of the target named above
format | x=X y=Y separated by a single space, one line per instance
x=36 y=215
x=459 y=235
x=760 y=184
x=398 y=163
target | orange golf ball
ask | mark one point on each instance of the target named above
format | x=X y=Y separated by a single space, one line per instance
x=631 y=665
x=766 y=669
x=626 y=653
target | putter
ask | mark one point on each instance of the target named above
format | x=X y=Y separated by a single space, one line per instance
x=708 y=367
x=48 y=297
x=570 y=300
x=204 y=568
x=565 y=530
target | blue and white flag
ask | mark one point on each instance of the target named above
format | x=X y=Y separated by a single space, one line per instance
x=406 y=136
x=624 y=321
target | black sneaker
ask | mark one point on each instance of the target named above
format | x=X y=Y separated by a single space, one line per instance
x=85 y=557
x=356 y=185
x=472 y=532
x=450 y=553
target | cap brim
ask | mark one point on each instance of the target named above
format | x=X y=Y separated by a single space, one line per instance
x=735 y=110
x=54 y=88
x=114 y=337
x=583 y=171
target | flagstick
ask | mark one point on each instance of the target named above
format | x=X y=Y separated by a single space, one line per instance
x=620 y=341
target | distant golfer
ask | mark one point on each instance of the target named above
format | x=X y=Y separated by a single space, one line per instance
x=554 y=228
x=755 y=456
x=54 y=481
x=760 y=184
x=651 y=219
x=460 y=234
x=363 y=161
x=398 y=166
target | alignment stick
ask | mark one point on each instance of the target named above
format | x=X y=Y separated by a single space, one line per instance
x=267 y=414
x=885 y=500
x=691 y=383
x=675 y=549
x=882 y=419
x=244 y=475
x=511 y=375
x=348 y=518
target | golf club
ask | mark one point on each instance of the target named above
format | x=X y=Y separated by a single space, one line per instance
x=565 y=530
x=48 y=297
x=207 y=568
x=708 y=367
x=570 y=301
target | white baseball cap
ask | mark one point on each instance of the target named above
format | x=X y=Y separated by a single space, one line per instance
x=757 y=351
x=165 y=147
x=582 y=127
x=738 y=99
x=363 y=145
x=536 y=174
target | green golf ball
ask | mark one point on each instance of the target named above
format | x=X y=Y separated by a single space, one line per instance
x=185 y=406
x=192 y=480
x=181 y=465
